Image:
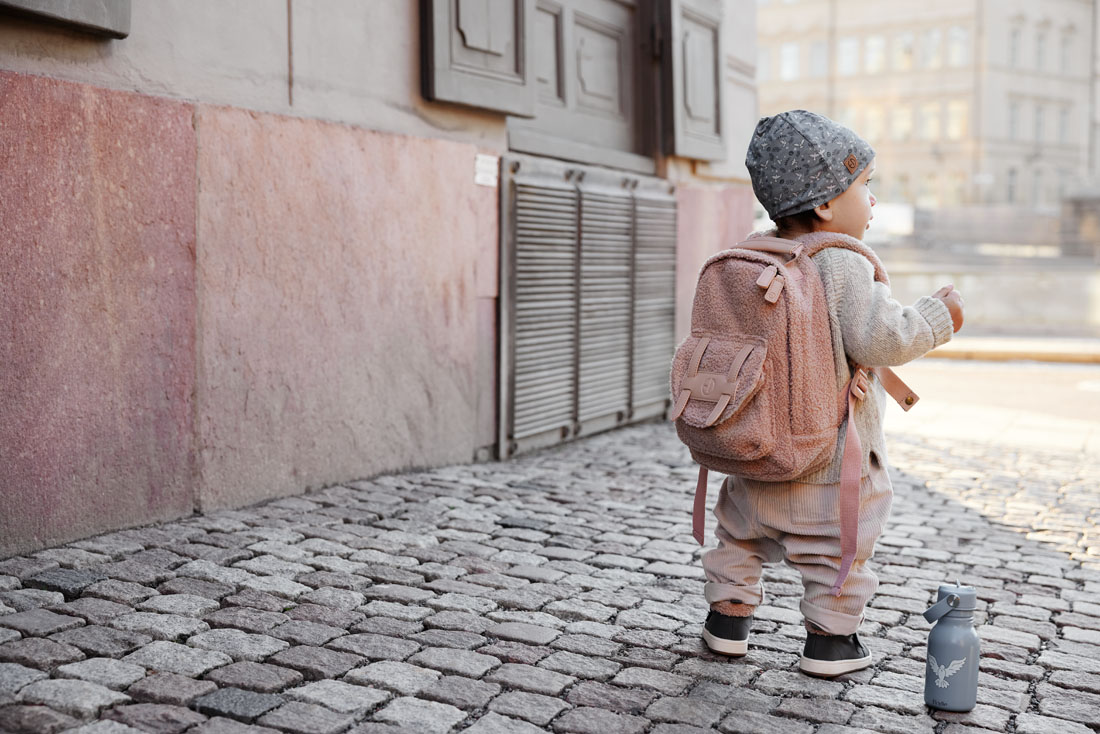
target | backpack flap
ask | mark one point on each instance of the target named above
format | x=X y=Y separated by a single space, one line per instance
x=714 y=378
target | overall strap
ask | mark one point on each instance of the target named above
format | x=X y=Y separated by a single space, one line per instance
x=698 y=512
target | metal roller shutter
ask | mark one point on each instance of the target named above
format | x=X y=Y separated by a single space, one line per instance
x=587 y=300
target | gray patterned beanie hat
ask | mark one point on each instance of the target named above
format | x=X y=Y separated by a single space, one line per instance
x=799 y=160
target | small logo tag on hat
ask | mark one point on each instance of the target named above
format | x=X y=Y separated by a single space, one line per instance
x=851 y=163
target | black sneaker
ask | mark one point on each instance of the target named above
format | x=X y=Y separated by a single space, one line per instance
x=727 y=635
x=827 y=656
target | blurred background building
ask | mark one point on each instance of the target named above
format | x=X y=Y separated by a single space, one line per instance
x=983 y=113
x=985 y=116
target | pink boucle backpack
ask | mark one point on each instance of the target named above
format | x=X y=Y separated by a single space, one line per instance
x=754 y=386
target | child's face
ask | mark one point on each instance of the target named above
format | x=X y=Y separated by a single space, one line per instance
x=851 y=211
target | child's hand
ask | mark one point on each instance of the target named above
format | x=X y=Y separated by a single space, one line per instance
x=954 y=303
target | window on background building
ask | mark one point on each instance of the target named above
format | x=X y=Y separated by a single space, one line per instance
x=958 y=46
x=1010 y=186
x=1041 y=50
x=788 y=61
x=903 y=193
x=819 y=59
x=929 y=194
x=874 y=121
x=847 y=56
x=848 y=117
x=903 y=51
x=1040 y=115
x=1038 y=196
x=763 y=64
x=1065 y=52
x=956 y=119
x=931 y=51
x=1013 y=120
x=875 y=54
x=901 y=122
x=930 y=121
x=1063 y=182
x=956 y=189
x=1015 y=39
x=1063 y=125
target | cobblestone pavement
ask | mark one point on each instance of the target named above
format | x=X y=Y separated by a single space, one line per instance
x=558 y=592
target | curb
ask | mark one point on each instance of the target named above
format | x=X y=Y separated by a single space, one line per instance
x=1083 y=351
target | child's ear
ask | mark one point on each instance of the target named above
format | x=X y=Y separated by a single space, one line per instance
x=824 y=211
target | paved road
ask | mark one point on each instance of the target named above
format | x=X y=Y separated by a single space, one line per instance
x=558 y=592
x=1025 y=404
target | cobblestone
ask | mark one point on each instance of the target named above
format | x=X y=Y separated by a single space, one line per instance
x=533 y=600
x=306 y=718
x=175 y=658
x=107 y=672
x=258 y=677
x=237 y=644
x=34 y=720
x=102 y=641
x=188 y=605
x=35 y=652
x=66 y=581
x=39 y=622
x=169 y=688
x=92 y=610
x=76 y=698
x=238 y=704
x=528 y=706
x=429 y=717
x=685 y=711
x=339 y=696
x=457 y=662
x=171 y=627
x=599 y=721
x=22 y=600
x=156 y=717
x=460 y=692
x=375 y=647
x=401 y=678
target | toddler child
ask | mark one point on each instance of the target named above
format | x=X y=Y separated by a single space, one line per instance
x=813 y=177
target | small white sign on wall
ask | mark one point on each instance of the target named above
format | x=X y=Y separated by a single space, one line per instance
x=486 y=170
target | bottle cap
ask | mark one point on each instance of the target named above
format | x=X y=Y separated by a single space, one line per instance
x=968 y=596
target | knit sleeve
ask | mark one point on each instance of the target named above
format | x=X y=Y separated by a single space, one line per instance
x=877 y=331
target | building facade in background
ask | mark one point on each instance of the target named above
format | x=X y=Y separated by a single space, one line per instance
x=967 y=102
x=259 y=247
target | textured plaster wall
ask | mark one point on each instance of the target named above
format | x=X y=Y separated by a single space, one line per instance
x=351 y=61
x=97 y=304
x=710 y=218
x=339 y=303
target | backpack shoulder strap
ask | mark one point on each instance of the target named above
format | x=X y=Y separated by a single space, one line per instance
x=815 y=242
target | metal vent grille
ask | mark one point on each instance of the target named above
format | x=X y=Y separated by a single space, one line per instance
x=545 y=308
x=587 y=300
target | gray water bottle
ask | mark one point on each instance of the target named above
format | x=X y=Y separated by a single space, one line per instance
x=951 y=674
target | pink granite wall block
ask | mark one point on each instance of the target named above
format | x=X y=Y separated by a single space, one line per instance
x=97 y=304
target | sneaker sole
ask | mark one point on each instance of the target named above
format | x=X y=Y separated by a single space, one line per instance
x=724 y=646
x=832 y=668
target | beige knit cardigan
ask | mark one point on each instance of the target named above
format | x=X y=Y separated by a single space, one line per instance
x=869 y=328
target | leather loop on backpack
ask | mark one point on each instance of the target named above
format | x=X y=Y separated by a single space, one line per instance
x=697 y=356
x=774 y=289
x=693 y=371
x=766 y=276
x=731 y=385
